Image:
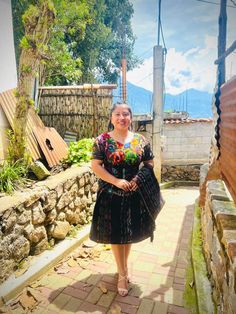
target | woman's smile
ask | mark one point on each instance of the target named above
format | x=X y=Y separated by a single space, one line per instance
x=121 y=117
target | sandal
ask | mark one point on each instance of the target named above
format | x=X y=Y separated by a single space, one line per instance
x=128 y=276
x=122 y=291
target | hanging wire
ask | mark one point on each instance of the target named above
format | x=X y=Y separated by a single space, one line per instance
x=205 y=1
x=143 y=78
x=162 y=36
x=145 y=52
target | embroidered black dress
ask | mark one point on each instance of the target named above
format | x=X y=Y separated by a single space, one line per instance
x=120 y=217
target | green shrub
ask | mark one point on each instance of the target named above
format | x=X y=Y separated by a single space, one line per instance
x=80 y=151
x=12 y=175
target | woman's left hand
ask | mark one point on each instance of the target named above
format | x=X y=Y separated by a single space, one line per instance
x=133 y=185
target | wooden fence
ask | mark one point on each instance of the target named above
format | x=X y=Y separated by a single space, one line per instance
x=83 y=109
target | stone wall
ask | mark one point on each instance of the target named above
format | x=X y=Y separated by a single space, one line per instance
x=218 y=219
x=180 y=173
x=34 y=220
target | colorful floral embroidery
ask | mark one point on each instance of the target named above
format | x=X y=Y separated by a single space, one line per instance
x=118 y=153
x=116 y=157
x=122 y=160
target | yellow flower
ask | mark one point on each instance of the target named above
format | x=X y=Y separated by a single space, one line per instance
x=135 y=141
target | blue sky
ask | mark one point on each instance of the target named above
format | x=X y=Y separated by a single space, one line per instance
x=190 y=30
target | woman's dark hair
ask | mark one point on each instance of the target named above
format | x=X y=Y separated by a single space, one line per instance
x=110 y=125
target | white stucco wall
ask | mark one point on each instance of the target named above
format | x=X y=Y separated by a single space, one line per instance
x=3 y=140
x=8 y=74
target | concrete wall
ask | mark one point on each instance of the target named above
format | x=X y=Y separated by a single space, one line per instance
x=184 y=143
x=3 y=140
x=187 y=142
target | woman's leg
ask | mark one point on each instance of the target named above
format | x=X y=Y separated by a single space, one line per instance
x=118 y=251
x=127 y=252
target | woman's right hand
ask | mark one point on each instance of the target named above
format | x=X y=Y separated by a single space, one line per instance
x=123 y=184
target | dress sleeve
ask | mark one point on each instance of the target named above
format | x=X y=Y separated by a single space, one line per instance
x=147 y=151
x=98 y=149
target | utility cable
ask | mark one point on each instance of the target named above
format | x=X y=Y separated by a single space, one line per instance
x=143 y=78
x=205 y=1
x=234 y=2
x=145 y=52
x=162 y=36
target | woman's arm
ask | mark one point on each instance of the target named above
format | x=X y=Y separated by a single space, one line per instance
x=102 y=173
x=133 y=184
x=149 y=162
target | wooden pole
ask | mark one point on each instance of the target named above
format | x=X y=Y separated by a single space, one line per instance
x=124 y=92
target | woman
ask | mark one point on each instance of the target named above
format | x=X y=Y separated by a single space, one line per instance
x=120 y=217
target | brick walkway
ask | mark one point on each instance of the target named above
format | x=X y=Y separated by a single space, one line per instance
x=157 y=269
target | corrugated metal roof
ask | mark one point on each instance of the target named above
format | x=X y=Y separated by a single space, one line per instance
x=52 y=145
x=228 y=134
x=8 y=103
x=189 y=120
x=36 y=132
x=84 y=86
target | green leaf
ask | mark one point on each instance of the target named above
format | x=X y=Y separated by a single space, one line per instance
x=80 y=151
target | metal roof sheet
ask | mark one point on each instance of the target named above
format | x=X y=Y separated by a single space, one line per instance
x=52 y=144
x=84 y=86
x=36 y=132
x=189 y=120
x=8 y=103
x=228 y=134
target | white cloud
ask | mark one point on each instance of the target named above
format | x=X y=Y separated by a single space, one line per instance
x=142 y=76
x=191 y=51
x=193 y=68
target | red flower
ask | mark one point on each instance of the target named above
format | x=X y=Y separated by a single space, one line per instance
x=119 y=145
x=117 y=157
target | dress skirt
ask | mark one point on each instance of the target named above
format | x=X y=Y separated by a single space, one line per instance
x=120 y=217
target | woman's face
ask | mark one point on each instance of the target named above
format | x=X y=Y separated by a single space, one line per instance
x=121 y=118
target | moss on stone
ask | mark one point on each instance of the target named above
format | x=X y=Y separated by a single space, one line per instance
x=203 y=287
x=170 y=184
x=190 y=298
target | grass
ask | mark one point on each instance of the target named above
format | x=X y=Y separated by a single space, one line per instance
x=190 y=297
x=12 y=175
x=203 y=286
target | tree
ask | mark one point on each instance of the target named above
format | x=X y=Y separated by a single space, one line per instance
x=118 y=18
x=38 y=21
x=69 y=29
x=106 y=38
x=70 y=20
x=87 y=40
x=91 y=53
x=18 y=9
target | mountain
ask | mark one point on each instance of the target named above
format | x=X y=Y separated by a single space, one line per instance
x=196 y=103
x=140 y=99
